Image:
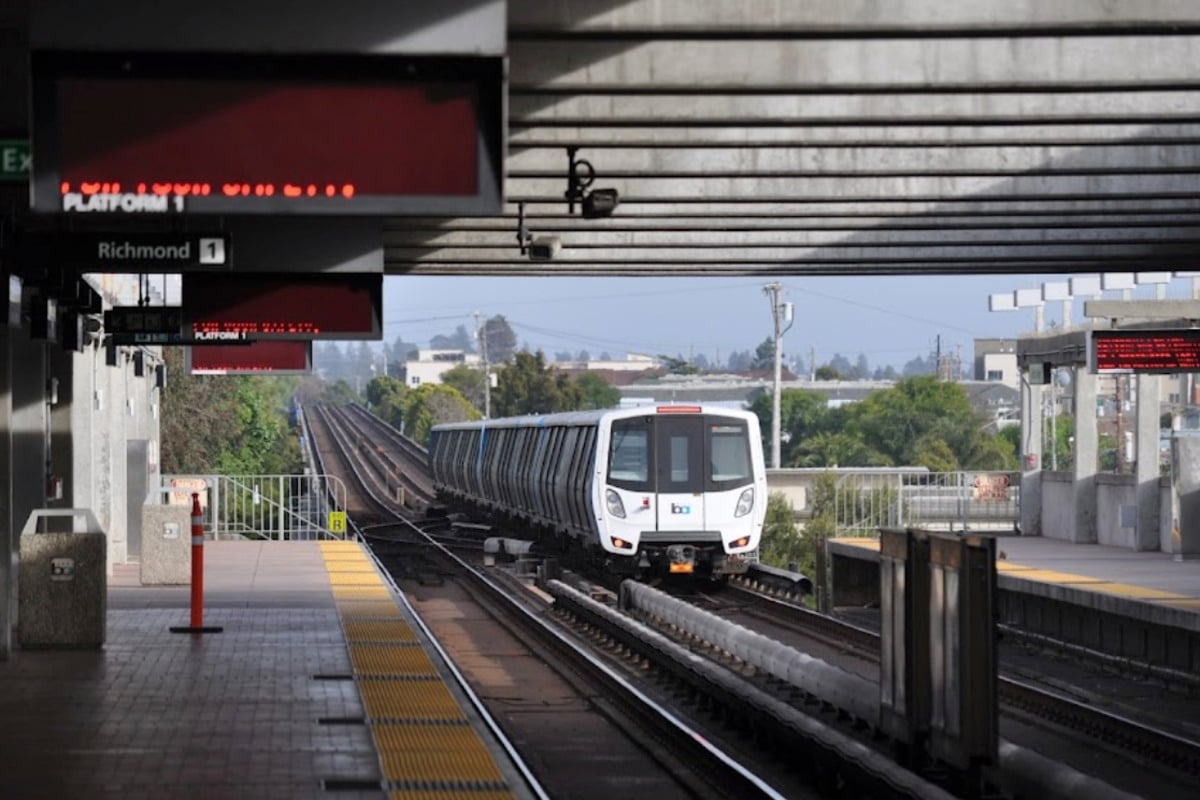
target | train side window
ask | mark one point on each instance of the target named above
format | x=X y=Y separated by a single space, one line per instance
x=551 y=473
x=497 y=478
x=504 y=466
x=472 y=458
x=629 y=455
x=587 y=457
x=571 y=471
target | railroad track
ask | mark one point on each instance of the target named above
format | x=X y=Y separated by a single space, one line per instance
x=1144 y=740
x=713 y=691
x=392 y=463
x=574 y=715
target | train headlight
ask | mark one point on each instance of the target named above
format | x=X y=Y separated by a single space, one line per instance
x=615 y=506
x=745 y=503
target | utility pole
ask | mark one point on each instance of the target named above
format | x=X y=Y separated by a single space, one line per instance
x=481 y=335
x=779 y=311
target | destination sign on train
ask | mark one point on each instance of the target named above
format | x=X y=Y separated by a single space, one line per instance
x=169 y=133
x=1160 y=351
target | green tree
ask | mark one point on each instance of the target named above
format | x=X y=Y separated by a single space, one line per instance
x=783 y=543
x=764 y=356
x=500 y=339
x=901 y=422
x=595 y=393
x=468 y=381
x=827 y=373
x=386 y=397
x=244 y=419
x=802 y=414
x=434 y=404
x=459 y=340
x=192 y=403
x=528 y=386
x=836 y=449
x=677 y=366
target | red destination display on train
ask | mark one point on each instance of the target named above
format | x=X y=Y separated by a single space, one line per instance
x=172 y=133
x=252 y=358
x=227 y=308
x=1148 y=351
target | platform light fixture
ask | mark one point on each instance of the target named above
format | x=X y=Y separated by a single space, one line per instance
x=580 y=174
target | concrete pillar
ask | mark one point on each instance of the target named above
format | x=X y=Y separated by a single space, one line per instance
x=61 y=459
x=1086 y=445
x=1031 y=459
x=8 y=532
x=1148 y=495
x=29 y=417
x=1184 y=536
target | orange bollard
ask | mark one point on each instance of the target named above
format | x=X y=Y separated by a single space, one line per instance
x=197 y=625
x=197 y=562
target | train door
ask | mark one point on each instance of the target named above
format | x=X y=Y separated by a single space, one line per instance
x=679 y=472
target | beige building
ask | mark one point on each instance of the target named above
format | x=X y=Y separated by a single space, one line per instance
x=430 y=365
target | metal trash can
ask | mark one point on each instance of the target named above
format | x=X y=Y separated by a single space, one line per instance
x=62 y=599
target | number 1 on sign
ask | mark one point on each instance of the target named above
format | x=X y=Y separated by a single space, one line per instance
x=212 y=251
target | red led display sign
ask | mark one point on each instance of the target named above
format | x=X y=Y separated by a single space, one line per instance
x=1146 y=351
x=283 y=306
x=191 y=133
x=253 y=358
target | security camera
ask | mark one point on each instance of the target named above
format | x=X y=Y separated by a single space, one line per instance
x=544 y=248
x=600 y=203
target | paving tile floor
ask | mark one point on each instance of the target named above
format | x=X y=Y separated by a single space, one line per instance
x=155 y=714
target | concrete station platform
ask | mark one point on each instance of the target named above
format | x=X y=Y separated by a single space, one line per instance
x=1137 y=605
x=319 y=686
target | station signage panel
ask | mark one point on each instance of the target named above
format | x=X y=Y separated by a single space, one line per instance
x=303 y=306
x=87 y=251
x=164 y=133
x=1159 y=351
x=252 y=358
x=129 y=320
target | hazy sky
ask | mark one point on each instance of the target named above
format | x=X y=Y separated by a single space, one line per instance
x=889 y=319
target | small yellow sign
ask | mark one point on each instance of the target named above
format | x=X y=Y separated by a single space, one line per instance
x=337 y=521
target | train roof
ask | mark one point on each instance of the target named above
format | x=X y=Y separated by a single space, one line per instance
x=588 y=418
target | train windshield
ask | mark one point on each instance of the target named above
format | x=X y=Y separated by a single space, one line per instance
x=729 y=455
x=679 y=454
x=629 y=455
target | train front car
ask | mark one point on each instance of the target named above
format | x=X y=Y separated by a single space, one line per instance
x=680 y=490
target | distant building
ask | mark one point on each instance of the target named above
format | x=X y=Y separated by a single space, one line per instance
x=991 y=399
x=430 y=365
x=996 y=361
x=633 y=362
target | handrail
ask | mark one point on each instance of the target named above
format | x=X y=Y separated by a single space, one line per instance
x=271 y=506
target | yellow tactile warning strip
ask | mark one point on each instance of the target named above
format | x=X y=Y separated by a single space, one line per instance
x=858 y=541
x=427 y=747
x=1085 y=582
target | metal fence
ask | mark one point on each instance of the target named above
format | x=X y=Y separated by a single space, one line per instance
x=980 y=501
x=269 y=507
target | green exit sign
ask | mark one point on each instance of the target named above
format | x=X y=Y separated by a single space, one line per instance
x=15 y=159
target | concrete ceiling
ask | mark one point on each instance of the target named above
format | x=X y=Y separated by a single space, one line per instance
x=770 y=137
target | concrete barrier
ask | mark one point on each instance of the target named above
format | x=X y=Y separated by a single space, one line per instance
x=62 y=599
x=166 y=545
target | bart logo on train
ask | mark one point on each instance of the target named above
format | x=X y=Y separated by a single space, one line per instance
x=678 y=509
